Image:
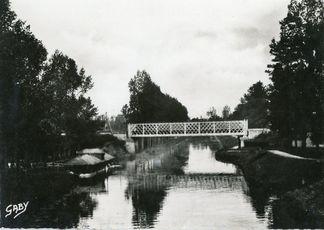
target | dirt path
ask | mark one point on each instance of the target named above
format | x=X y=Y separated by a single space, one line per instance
x=288 y=155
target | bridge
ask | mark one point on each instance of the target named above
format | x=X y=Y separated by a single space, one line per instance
x=186 y=129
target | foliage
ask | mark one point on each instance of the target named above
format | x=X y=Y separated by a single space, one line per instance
x=39 y=99
x=148 y=104
x=253 y=106
x=212 y=114
x=67 y=108
x=21 y=60
x=226 y=112
x=118 y=123
x=296 y=72
x=198 y=119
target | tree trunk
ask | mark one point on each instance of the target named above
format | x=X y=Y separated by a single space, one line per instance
x=304 y=137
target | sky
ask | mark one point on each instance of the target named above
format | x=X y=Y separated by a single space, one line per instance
x=203 y=52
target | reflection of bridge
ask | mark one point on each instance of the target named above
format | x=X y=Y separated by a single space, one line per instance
x=207 y=128
x=200 y=181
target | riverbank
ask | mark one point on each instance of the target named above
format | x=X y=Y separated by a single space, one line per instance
x=108 y=143
x=297 y=183
x=272 y=172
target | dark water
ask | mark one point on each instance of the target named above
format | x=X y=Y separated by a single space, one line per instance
x=178 y=187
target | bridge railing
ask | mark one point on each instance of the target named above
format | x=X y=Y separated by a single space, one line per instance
x=208 y=128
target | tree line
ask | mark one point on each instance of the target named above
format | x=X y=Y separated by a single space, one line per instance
x=292 y=105
x=253 y=106
x=296 y=93
x=44 y=110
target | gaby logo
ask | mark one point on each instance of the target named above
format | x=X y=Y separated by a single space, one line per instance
x=16 y=209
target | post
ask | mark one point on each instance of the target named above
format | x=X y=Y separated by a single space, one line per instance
x=246 y=127
x=185 y=128
x=229 y=127
x=239 y=141
x=156 y=129
x=128 y=134
x=214 y=127
x=170 y=128
x=143 y=130
x=199 y=128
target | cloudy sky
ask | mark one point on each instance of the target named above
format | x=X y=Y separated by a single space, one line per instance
x=203 y=52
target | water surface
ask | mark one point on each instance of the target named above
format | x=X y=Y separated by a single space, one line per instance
x=204 y=194
x=176 y=186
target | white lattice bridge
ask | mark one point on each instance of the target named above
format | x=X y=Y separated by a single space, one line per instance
x=177 y=129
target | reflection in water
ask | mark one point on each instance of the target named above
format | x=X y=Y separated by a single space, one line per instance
x=170 y=160
x=148 y=192
x=202 y=159
x=161 y=193
x=54 y=200
x=260 y=201
x=181 y=187
x=147 y=203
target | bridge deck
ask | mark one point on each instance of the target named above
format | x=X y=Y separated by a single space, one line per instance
x=177 y=129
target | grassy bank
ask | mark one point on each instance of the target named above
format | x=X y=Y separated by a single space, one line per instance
x=272 y=172
x=273 y=141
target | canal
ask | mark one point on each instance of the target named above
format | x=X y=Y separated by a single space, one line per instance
x=181 y=188
x=176 y=186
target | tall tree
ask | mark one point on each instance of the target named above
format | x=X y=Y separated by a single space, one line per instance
x=21 y=59
x=296 y=72
x=148 y=104
x=118 y=123
x=253 y=106
x=39 y=100
x=226 y=112
x=68 y=109
x=212 y=114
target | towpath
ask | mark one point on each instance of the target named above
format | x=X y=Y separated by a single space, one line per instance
x=288 y=155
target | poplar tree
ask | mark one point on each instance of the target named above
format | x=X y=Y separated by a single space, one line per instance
x=296 y=72
x=22 y=57
x=148 y=104
x=253 y=106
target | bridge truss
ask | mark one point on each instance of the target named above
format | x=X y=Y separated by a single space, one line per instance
x=177 y=129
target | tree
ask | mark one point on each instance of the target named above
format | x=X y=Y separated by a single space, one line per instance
x=39 y=100
x=148 y=104
x=68 y=109
x=226 y=112
x=118 y=123
x=21 y=59
x=126 y=112
x=7 y=16
x=253 y=106
x=296 y=72
x=212 y=114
